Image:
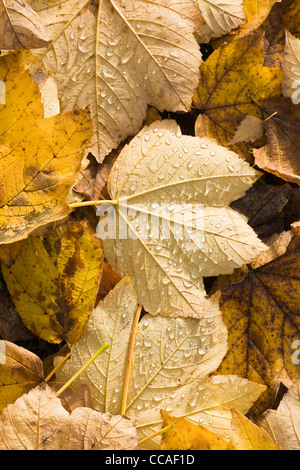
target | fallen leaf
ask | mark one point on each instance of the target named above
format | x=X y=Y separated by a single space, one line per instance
x=38 y=421
x=20 y=26
x=281 y=155
x=233 y=84
x=283 y=424
x=171 y=363
x=55 y=300
x=172 y=224
x=220 y=17
x=256 y=12
x=248 y=436
x=270 y=208
x=109 y=280
x=283 y=16
x=40 y=158
x=188 y=436
x=250 y=130
x=20 y=371
x=119 y=58
x=71 y=399
x=263 y=320
x=291 y=68
x=11 y=326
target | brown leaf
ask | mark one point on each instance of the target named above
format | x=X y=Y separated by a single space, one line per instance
x=281 y=155
x=38 y=421
x=20 y=26
x=284 y=15
x=71 y=399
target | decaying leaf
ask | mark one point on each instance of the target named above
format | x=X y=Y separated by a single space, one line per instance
x=283 y=16
x=263 y=320
x=40 y=158
x=283 y=424
x=55 y=300
x=291 y=68
x=173 y=224
x=226 y=94
x=20 y=26
x=172 y=359
x=119 y=56
x=188 y=436
x=20 y=371
x=248 y=436
x=220 y=17
x=38 y=421
x=281 y=155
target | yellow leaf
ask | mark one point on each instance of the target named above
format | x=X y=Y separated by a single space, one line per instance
x=54 y=280
x=20 y=370
x=233 y=84
x=39 y=158
x=248 y=436
x=121 y=55
x=188 y=436
x=263 y=320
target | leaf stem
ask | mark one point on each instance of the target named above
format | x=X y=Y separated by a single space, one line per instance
x=93 y=203
x=57 y=367
x=129 y=360
x=87 y=364
x=162 y=431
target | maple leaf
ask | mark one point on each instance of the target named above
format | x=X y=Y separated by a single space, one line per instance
x=226 y=94
x=38 y=421
x=40 y=158
x=281 y=155
x=197 y=178
x=283 y=424
x=120 y=56
x=263 y=320
x=188 y=436
x=247 y=436
x=220 y=17
x=20 y=26
x=257 y=11
x=171 y=361
x=20 y=371
x=65 y=269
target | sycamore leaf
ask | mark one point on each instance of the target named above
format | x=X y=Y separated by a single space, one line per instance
x=188 y=436
x=283 y=424
x=171 y=362
x=281 y=155
x=291 y=68
x=39 y=158
x=120 y=56
x=256 y=12
x=220 y=17
x=38 y=421
x=226 y=94
x=173 y=224
x=263 y=319
x=20 y=370
x=20 y=26
x=54 y=302
x=248 y=436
